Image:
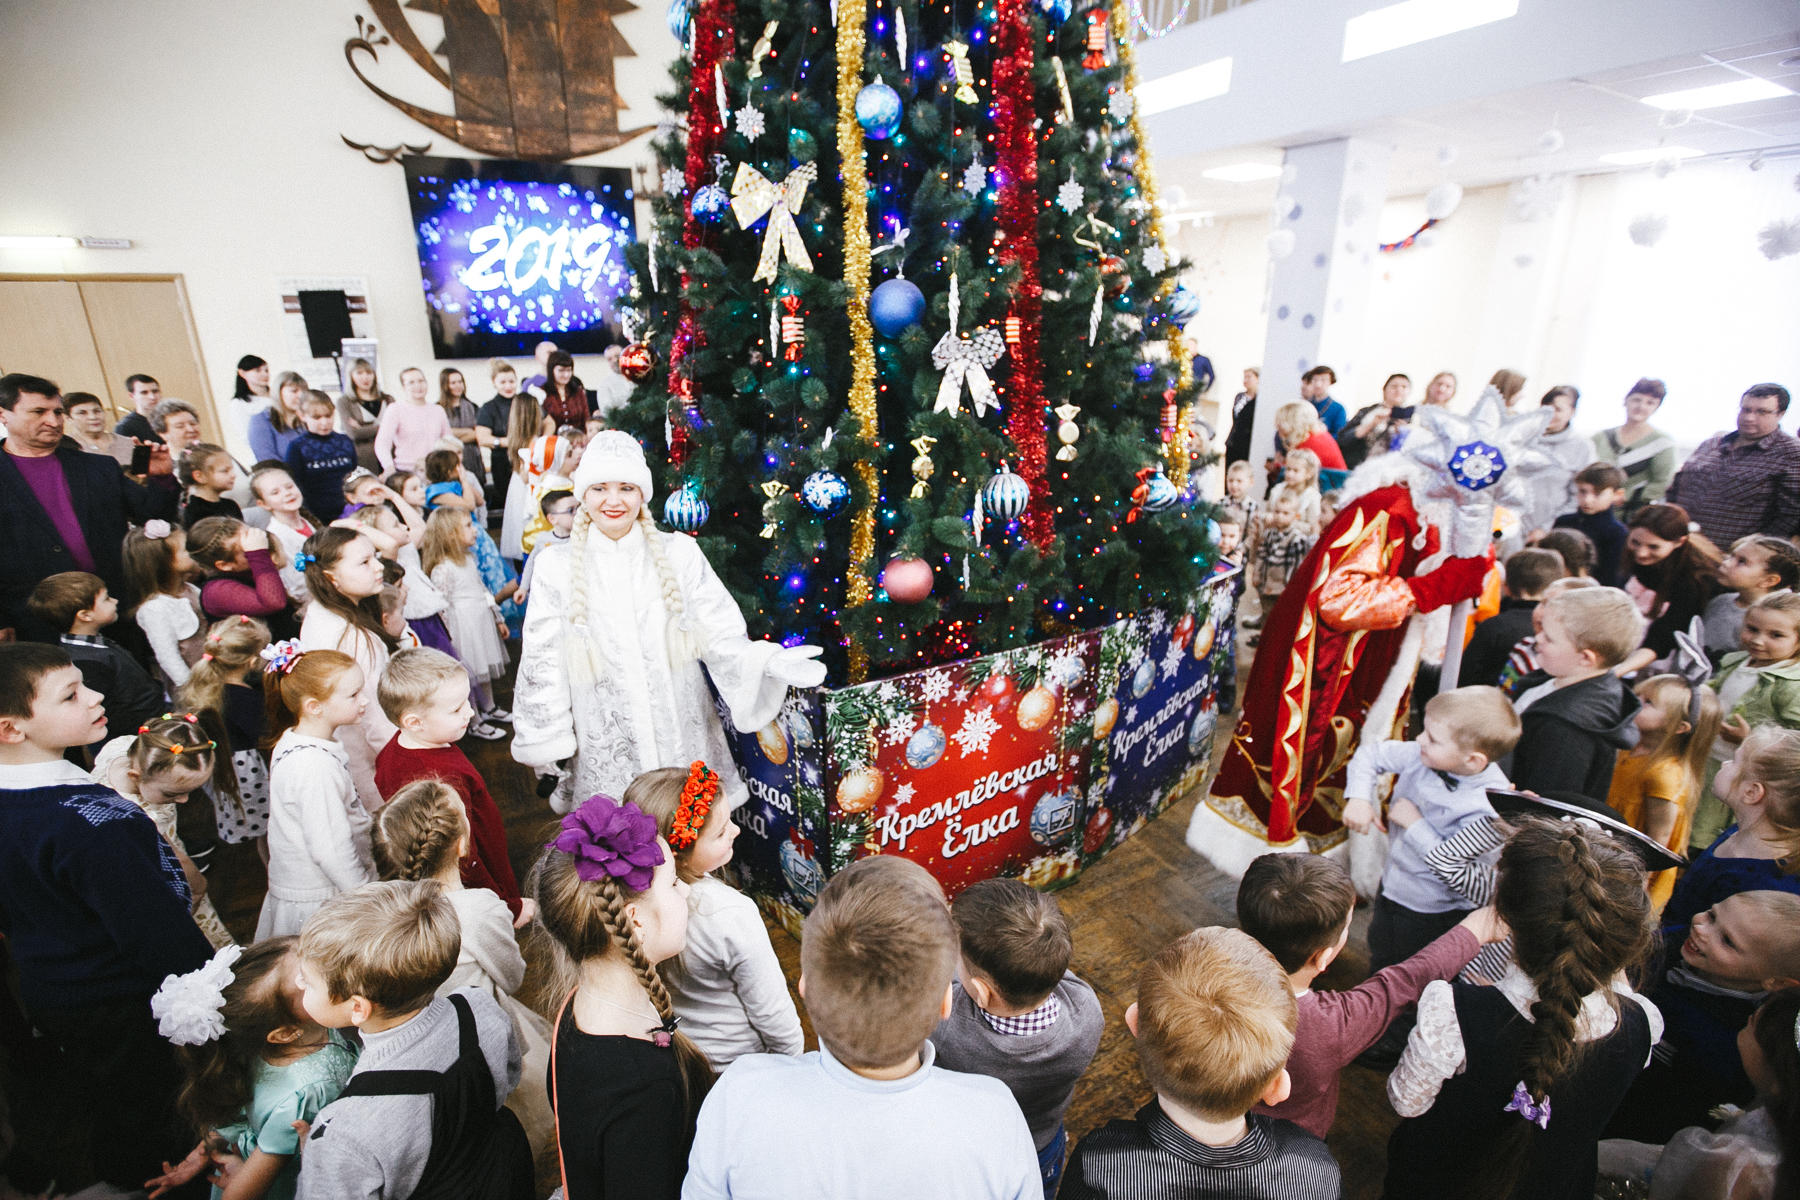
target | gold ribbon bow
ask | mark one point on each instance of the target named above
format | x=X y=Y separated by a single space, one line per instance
x=752 y=195
x=966 y=357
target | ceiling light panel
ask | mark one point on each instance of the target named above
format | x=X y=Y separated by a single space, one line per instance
x=1244 y=172
x=1718 y=95
x=1417 y=21
x=1185 y=87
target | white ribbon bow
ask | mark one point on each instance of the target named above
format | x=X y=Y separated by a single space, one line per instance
x=752 y=195
x=966 y=357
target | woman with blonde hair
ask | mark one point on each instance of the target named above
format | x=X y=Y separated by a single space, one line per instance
x=1297 y=427
x=359 y=412
x=273 y=429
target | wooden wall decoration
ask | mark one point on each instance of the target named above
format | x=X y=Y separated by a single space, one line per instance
x=528 y=79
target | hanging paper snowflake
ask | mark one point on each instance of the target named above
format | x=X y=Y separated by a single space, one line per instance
x=1070 y=196
x=674 y=182
x=900 y=728
x=750 y=122
x=1120 y=104
x=1155 y=261
x=978 y=729
x=975 y=178
x=935 y=686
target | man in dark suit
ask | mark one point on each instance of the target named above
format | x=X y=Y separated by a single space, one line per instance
x=65 y=510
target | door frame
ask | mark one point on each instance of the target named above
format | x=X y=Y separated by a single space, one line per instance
x=181 y=295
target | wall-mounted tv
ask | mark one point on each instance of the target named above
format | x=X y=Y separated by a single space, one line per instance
x=511 y=253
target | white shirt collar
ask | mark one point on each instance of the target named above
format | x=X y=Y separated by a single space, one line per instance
x=1598 y=1017
x=43 y=774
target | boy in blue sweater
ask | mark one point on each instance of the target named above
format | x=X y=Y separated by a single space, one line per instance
x=96 y=910
x=320 y=458
x=1598 y=488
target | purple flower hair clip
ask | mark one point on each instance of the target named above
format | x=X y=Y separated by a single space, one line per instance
x=608 y=838
x=1521 y=1103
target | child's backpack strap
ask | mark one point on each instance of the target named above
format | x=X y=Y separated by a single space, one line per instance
x=478 y=1148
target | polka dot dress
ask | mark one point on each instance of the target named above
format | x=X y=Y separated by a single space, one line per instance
x=252 y=821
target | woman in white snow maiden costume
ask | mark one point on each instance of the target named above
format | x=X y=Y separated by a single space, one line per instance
x=620 y=618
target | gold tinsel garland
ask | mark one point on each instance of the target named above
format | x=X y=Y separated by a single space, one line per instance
x=1177 y=452
x=850 y=16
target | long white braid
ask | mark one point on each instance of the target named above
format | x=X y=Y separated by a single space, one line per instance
x=586 y=660
x=684 y=641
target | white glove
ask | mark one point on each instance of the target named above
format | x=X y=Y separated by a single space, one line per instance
x=797 y=666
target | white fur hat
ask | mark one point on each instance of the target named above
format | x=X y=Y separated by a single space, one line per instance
x=614 y=456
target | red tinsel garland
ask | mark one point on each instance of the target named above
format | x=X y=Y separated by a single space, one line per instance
x=714 y=37
x=1016 y=149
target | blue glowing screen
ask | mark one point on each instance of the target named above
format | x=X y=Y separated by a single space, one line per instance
x=511 y=253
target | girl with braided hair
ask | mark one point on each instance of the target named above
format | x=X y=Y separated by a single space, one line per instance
x=225 y=690
x=626 y=1084
x=620 y=619
x=422 y=833
x=728 y=985
x=1508 y=1086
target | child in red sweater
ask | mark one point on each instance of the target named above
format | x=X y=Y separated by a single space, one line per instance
x=426 y=693
x=1298 y=906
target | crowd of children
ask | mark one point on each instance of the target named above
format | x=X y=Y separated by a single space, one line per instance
x=1547 y=1008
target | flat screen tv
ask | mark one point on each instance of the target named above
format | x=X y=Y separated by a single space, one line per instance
x=511 y=253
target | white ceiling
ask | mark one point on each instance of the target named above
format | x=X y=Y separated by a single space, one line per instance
x=1494 y=136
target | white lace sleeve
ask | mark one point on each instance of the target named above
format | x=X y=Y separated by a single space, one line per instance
x=1434 y=1053
x=543 y=711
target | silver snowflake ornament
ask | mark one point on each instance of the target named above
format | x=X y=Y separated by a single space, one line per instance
x=904 y=793
x=1155 y=260
x=975 y=178
x=1070 y=196
x=1478 y=461
x=674 y=182
x=900 y=728
x=978 y=730
x=1120 y=105
x=750 y=122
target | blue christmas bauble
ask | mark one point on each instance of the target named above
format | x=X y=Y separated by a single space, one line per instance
x=1162 y=494
x=680 y=18
x=801 y=872
x=1057 y=10
x=925 y=747
x=1184 y=305
x=1005 y=496
x=686 y=510
x=896 y=306
x=1201 y=733
x=1053 y=819
x=1143 y=678
x=878 y=110
x=825 y=492
x=711 y=203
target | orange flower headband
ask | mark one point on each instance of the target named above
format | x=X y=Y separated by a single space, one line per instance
x=697 y=796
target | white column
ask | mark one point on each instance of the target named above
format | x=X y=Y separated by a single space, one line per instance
x=1319 y=289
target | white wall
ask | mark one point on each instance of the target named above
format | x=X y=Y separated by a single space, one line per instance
x=1702 y=310
x=207 y=132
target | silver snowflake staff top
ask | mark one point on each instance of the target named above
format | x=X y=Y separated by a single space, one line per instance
x=1071 y=196
x=1479 y=461
x=966 y=357
x=750 y=122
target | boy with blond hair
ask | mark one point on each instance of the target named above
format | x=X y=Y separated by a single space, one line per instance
x=881 y=1118
x=1018 y=1013
x=424 y=1110
x=1214 y=1023
x=1440 y=786
x=425 y=693
x=1575 y=714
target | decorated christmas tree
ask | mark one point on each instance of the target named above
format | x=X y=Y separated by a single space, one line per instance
x=904 y=331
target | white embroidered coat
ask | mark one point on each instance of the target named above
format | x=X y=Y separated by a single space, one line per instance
x=642 y=713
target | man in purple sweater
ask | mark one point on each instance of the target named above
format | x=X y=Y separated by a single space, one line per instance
x=1298 y=906
x=66 y=510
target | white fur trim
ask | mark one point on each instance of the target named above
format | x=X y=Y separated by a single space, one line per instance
x=613 y=457
x=1231 y=849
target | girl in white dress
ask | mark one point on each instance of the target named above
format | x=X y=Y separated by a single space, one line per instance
x=422 y=834
x=345 y=577
x=318 y=828
x=289 y=527
x=620 y=618
x=167 y=607
x=472 y=615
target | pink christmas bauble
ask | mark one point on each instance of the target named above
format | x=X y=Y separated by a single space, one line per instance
x=907 y=580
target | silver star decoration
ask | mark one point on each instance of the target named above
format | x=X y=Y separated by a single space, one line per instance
x=750 y=122
x=1120 y=105
x=1070 y=196
x=1155 y=260
x=975 y=178
x=674 y=182
x=1478 y=461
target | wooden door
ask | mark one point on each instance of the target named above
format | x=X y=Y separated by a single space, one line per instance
x=44 y=331
x=141 y=327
